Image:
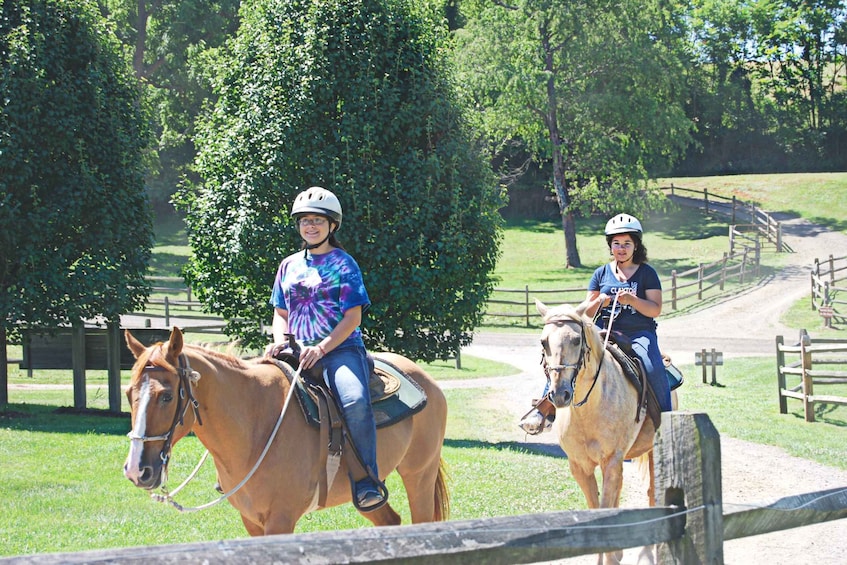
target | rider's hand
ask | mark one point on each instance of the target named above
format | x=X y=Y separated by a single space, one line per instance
x=273 y=349
x=310 y=355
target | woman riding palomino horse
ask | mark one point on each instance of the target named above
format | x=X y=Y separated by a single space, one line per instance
x=270 y=461
x=624 y=294
x=319 y=297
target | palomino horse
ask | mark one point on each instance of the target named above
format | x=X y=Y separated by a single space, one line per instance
x=232 y=406
x=596 y=407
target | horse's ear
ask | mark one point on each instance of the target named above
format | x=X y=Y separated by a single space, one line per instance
x=541 y=307
x=135 y=346
x=176 y=342
x=581 y=308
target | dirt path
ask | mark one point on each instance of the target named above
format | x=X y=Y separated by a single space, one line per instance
x=742 y=326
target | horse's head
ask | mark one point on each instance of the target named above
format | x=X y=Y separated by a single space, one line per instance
x=564 y=342
x=159 y=394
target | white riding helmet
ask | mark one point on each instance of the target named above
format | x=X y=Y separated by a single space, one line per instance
x=623 y=223
x=317 y=200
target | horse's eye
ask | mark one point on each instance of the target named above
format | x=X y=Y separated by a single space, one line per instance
x=166 y=397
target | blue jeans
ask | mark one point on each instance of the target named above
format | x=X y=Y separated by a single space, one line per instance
x=347 y=372
x=646 y=345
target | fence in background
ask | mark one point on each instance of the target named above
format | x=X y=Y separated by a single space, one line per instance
x=822 y=362
x=740 y=213
x=695 y=282
x=828 y=280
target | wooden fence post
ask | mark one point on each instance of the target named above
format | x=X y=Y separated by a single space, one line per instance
x=526 y=301
x=688 y=473
x=78 y=362
x=4 y=370
x=806 y=362
x=673 y=289
x=831 y=269
x=113 y=364
x=780 y=376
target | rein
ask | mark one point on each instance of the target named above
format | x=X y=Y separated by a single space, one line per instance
x=167 y=497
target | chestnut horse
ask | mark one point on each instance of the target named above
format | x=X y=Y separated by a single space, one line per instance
x=596 y=407
x=232 y=406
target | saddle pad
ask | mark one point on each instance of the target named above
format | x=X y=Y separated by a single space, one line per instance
x=394 y=396
x=633 y=369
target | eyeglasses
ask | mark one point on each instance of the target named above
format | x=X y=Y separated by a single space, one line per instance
x=318 y=222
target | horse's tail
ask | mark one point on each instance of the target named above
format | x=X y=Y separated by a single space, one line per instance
x=644 y=466
x=442 y=495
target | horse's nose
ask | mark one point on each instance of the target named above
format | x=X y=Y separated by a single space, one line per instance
x=145 y=478
x=562 y=397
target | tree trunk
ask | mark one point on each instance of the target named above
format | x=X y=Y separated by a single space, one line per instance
x=559 y=180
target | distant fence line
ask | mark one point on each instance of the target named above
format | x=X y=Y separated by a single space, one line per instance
x=741 y=213
x=828 y=355
x=694 y=282
x=828 y=280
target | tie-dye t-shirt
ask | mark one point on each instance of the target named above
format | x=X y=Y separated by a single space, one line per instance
x=317 y=290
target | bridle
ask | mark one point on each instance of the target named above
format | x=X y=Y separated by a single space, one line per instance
x=584 y=351
x=185 y=398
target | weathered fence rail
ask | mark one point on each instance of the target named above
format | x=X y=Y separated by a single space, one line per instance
x=689 y=524
x=828 y=355
x=694 y=282
x=738 y=211
x=829 y=289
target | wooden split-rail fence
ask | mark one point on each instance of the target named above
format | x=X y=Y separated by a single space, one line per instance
x=818 y=362
x=829 y=289
x=689 y=524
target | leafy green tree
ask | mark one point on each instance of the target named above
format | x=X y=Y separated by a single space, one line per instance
x=594 y=87
x=77 y=230
x=165 y=40
x=354 y=96
x=801 y=45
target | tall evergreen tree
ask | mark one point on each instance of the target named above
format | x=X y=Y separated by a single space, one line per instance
x=354 y=96
x=77 y=229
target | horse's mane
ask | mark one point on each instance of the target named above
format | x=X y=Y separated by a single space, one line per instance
x=227 y=358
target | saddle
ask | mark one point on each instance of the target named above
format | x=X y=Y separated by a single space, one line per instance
x=394 y=397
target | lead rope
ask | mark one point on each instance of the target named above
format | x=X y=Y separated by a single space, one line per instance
x=612 y=317
x=168 y=497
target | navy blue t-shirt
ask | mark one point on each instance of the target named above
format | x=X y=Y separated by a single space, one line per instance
x=627 y=319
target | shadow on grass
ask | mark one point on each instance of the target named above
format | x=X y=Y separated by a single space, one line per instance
x=63 y=419
x=546 y=449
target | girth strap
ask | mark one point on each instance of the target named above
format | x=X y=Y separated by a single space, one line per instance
x=332 y=438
